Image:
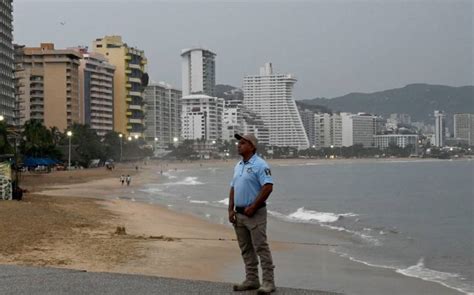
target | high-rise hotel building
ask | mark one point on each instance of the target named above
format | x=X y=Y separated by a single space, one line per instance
x=48 y=85
x=7 y=84
x=163 y=115
x=440 y=131
x=464 y=128
x=129 y=62
x=271 y=97
x=198 y=71
x=97 y=91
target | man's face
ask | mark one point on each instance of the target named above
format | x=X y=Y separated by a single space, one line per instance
x=244 y=147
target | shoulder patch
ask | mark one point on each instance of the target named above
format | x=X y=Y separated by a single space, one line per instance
x=268 y=171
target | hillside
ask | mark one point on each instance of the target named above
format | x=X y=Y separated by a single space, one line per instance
x=417 y=100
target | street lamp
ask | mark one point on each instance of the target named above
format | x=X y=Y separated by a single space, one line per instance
x=129 y=138
x=69 y=134
x=2 y=118
x=156 y=140
x=120 y=135
x=136 y=136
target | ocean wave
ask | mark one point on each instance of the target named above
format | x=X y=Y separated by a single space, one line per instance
x=419 y=271
x=324 y=217
x=364 y=237
x=224 y=201
x=167 y=174
x=151 y=190
x=198 y=202
x=190 y=180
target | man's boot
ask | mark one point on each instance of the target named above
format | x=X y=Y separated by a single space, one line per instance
x=266 y=288
x=246 y=285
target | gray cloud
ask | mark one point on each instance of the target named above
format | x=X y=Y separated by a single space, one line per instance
x=333 y=47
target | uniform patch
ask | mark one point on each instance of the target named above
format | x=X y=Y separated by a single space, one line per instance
x=268 y=172
x=249 y=170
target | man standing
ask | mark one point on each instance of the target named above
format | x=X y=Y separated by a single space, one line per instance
x=250 y=187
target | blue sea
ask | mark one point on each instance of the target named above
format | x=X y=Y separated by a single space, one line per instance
x=415 y=217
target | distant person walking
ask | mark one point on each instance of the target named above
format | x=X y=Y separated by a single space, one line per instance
x=129 y=179
x=250 y=187
x=122 y=179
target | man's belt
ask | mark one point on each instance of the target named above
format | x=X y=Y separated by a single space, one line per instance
x=242 y=209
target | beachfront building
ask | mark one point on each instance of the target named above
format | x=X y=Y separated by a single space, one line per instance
x=48 y=85
x=7 y=84
x=130 y=80
x=323 y=130
x=464 y=128
x=440 y=130
x=96 y=79
x=400 y=140
x=198 y=71
x=253 y=123
x=271 y=97
x=358 y=129
x=163 y=113
x=231 y=122
x=201 y=117
x=307 y=117
x=238 y=119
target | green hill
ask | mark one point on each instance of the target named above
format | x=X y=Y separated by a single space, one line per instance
x=417 y=100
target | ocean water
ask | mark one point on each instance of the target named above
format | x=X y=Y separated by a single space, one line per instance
x=415 y=217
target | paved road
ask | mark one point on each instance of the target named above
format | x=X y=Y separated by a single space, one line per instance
x=37 y=280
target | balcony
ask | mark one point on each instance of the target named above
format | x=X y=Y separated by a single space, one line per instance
x=134 y=66
x=135 y=107
x=136 y=121
x=135 y=80
x=135 y=93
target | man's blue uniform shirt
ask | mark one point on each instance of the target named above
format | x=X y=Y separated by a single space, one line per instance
x=249 y=178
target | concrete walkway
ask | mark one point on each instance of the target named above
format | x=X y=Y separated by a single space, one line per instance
x=38 y=280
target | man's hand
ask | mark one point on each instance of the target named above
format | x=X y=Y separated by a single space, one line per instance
x=250 y=211
x=232 y=216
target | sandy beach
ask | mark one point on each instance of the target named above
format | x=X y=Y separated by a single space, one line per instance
x=75 y=219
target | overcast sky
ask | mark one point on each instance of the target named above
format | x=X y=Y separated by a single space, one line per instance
x=333 y=47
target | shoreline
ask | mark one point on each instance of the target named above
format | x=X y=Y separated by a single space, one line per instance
x=174 y=250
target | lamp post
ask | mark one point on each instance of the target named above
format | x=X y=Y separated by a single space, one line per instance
x=120 y=135
x=154 y=147
x=69 y=134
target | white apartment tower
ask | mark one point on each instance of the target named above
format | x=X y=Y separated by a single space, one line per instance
x=439 y=128
x=198 y=71
x=163 y=113
x=270 y=96
x=201 y=117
